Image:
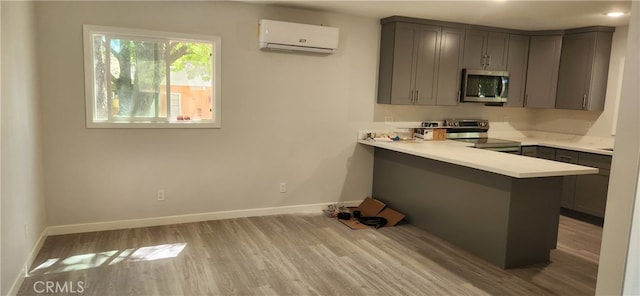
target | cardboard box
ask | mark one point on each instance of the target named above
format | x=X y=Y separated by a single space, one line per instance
x=370 y=207
x=431 y=134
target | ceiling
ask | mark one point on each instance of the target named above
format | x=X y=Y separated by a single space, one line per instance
x=514 y=14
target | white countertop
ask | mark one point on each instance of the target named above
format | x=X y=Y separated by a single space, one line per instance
x=461 y=153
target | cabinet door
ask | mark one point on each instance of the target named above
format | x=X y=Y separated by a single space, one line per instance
x=584 y=67
x=485 y=50
x=474 y=49
x=529 y=151
x=591 y=190
x=567 y=197
x=496 y=52
x=403 y=64
x=428 y=51
x=591 y=193
x=542 y=71
x=450 y=66
x=576 y=62
x=546 y=153
x=517 y=57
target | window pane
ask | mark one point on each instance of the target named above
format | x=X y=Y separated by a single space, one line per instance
x=138 y=71
x=99 y=78
x=191 y=79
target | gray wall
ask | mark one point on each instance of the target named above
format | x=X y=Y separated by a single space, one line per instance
x=285 y=118
x=23 y=217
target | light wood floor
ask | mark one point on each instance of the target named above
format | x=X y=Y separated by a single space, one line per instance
x=301 y=255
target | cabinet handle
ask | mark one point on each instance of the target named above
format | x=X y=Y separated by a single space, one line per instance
x=413 y=96
x=584 y=101
x=482 y=58
x=526 y=98
x=488 y=60
x=417 y=96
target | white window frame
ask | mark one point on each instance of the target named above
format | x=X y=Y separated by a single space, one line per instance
x=140 y=122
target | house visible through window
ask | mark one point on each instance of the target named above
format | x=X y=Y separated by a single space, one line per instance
x=151 y=79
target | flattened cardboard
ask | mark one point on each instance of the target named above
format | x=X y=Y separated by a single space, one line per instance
x=370 y=207
x=392 y=216
x=354 y=224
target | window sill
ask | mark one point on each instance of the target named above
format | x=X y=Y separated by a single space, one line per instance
x=162 y=125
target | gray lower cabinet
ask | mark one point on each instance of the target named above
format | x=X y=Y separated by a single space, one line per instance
x=583 y=193
x=591 y=193
x=485 y=50
x=584 y=68
x=517 y=59
x=411 y=56
x=567 y=197
x=546 y=153
x=591 y=190
x=529 y=151
x=542 y=71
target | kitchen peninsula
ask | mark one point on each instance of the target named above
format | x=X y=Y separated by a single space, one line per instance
x=501 y=207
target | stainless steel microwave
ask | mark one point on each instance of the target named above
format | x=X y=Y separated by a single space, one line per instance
x=484 y=86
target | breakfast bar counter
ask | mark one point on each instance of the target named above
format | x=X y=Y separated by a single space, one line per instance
x=501 y=207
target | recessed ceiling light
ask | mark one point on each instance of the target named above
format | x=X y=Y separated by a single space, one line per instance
x=614 y=14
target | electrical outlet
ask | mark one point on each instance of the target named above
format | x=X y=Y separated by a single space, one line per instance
x=283 y=187
x=160 y=194
x=388 y=119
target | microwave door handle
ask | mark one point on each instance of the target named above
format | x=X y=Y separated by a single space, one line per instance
x=503 y=87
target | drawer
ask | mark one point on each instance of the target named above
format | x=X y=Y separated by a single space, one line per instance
x=546 y=152
x=595 y=160
x=529 y=151
x=567 y=156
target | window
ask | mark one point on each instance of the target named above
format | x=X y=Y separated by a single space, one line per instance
x=148 y=79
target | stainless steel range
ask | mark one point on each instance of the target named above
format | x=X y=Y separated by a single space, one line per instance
x=476 y=131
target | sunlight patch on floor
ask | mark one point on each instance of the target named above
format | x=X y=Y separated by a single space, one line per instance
x=93 y=260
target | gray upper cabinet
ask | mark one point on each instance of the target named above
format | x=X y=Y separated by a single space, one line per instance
x=419 y=64
x=517 y=60
x=408 y=63
x=485 y=50
x=542 y=71
x=584 y=67
x=450 y=66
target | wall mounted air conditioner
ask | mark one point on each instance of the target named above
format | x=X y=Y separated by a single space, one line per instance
x=276 y=35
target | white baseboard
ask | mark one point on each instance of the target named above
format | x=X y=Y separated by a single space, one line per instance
x=146 y=222
x=27 y=265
